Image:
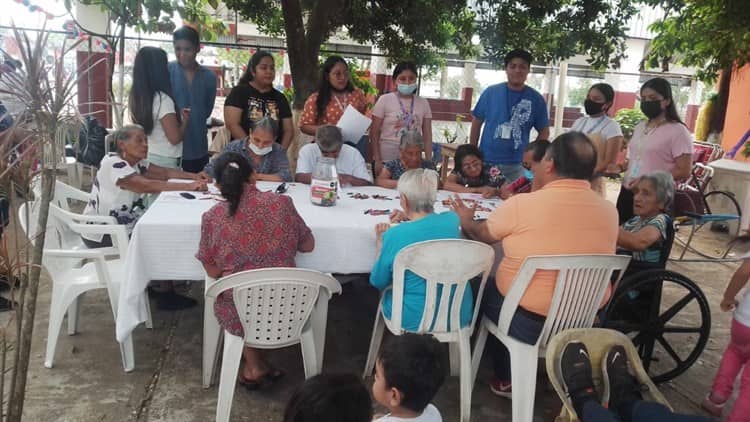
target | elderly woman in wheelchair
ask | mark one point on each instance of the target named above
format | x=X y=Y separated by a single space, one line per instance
x=648 y=236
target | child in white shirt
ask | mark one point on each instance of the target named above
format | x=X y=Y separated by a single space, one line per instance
x=408 y=374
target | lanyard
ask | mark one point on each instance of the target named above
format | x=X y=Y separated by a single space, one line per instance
x=408 y=117
x=596 y=126
x=338 y=101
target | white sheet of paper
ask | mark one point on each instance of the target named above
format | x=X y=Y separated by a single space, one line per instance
x=353 y=124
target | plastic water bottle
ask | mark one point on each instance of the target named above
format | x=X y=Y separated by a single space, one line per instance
x=325 y=183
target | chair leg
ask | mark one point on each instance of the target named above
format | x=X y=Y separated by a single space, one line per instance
x=309 y=354
x=57 y=311
x=524 y=361
x=454 y=357
x=73 y=313
x=476 y=357
x=127 y=354
x=211 y=342
x=229 y=368
x=466 y=380
x=377 y=338
x=149 y=320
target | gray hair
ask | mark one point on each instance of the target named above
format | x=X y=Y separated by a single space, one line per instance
x=124 y=133
x=663 y=186
x=269 y=124
x=411 y=138
x=329 y=138
x=419 y=186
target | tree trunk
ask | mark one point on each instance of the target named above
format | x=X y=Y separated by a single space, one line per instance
x=120 y=107
x=18 y=391
x=720 y=108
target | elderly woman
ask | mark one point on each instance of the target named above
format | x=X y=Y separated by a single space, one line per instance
x=121 y=183
x=418 y=191
x=472 y=175
x=644 y=234
x=267 y=158
x=250 y=230
x=410 y=158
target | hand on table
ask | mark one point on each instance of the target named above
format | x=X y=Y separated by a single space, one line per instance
x=381 y=228
x=459 y=207
x=505 y=192
x=397 y=216
x=202 y=177
x=487 y=191
x=345 y=179
x=198 y=185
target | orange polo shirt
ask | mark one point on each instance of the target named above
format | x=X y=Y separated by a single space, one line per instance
x=565 y=217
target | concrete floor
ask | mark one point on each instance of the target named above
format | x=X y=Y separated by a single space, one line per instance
x=88 y=384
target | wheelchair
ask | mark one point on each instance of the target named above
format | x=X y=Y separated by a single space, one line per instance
x=664 y=313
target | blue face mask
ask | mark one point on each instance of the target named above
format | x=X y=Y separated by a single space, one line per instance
x=528 y=174
x=406 y=89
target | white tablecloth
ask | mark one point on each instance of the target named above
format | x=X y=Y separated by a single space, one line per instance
x=165 y=240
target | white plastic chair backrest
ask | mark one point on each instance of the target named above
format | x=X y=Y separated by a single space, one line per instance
x=29 y=222
x=274 y=304
x=67 y=227
x=64 y=193
x=447 y=265
x=580 y=286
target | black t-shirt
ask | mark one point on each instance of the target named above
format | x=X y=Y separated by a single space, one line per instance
x=255 y=105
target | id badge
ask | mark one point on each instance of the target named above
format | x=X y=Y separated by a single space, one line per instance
x=505 y=131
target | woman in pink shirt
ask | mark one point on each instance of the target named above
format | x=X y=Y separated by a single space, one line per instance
x=399 y=112
x=662 y=143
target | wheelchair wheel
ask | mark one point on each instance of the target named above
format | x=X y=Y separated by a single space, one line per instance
x=731 y=204
x=666 y=316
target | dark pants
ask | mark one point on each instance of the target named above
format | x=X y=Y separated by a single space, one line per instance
x=625 y=204
x=195 y=166
x=525 y=327
x=638 y=411
x=106 y=242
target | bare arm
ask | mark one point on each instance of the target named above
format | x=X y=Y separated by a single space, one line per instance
x=640 y=240
x=212 y=271
x=173 y=129
x=269 y=177
x=451 y=184
x=305 y=178
x=543 y=134
x=427 y=138
x=308 y=129
x=165 y=173
x=384 y=179
x=377 y=125
x=476 y=128
x=682 y=167
x=287 y=128
x=233 y=122
x=140 y=184
x=613 y=146
x=739 y=280
x=307 y=245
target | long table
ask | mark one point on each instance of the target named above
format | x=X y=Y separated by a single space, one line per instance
x=165 y=240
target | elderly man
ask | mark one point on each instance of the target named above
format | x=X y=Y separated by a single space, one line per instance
x=563 y=217
x=329 y=142
x=508 y=111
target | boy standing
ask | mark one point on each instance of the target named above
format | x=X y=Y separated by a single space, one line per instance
x=408 y=374
x=194 y=88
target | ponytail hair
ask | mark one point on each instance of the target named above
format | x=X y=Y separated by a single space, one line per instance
x=232 y=171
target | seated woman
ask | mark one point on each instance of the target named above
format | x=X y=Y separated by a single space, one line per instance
x=472 y=175
x=267 y=157
x=418 y=191
x=410 y=158
x=644 y=234
x=251 y=230
x=121 y=183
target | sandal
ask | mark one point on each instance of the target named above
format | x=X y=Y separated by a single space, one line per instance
x=250 y=384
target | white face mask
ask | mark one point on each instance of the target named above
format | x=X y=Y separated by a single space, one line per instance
x=257 y=150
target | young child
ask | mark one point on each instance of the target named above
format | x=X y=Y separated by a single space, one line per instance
x=408 y=374
x=737 y=354
x=531 y=157
x=330 y=397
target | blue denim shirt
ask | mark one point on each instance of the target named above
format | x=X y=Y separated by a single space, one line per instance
x=275 y=162
x=199 y=97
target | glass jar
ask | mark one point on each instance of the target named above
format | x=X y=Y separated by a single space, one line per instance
x=325 y=182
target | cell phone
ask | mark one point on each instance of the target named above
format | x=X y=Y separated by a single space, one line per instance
x=282 y=188
x=187 y=195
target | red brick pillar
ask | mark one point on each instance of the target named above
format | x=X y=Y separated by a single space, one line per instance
x=93 y=86
x=622 y=100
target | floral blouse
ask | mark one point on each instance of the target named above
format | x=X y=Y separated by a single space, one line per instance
x=334 y=110
x=396 y=167
x=490 y=176
x=265 y=232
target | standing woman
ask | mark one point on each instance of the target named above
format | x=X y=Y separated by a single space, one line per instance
x=604 y=131
x=254 y=98
x=661 y=143
x=152 y=107
x=335 y=92
x=399 y=112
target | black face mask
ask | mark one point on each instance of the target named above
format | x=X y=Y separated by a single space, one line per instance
x=651 y=109
x=592 y=107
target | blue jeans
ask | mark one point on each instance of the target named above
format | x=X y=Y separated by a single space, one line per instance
x=639 y=411
x=511 y=171
x=525 y=326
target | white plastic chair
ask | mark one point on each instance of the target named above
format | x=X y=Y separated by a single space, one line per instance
x=77 y=271
x=278 y=307
x=449 y=263
x=581 y=283
x=63 y=194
